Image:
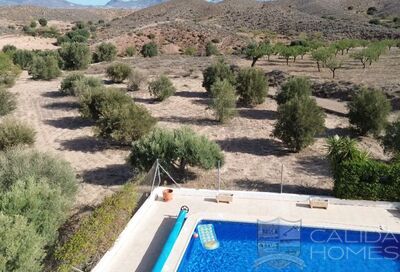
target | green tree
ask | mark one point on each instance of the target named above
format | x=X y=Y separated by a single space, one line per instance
x=219 y=70
x=21 y=248
x=23 y=58
x=391 y=140
x=161 y=88
x=211 y=49
x=118 y=72
x=223 y=100
x=321 y=55
x=294 y=87
x=299 y=121
x=368 y=111
x=333 y=64
x=255 y=51
x=76 y=56
x=8 y=71
x=105 y=52
x=252 y=86
x=149 y=50
x=45 y=68
x=180 y=148
x=286 y=52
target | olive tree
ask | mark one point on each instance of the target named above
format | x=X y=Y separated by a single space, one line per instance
x=299 y=121
x=391 y=140
x=252 y=86
x=219 y=70
x=76 y=56
x=368 y=111
x=294 y=87
x=223 y=101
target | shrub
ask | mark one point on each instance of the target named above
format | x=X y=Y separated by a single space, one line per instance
x=391 y=140
x=118 y=72
x=76 y=56
x=8 y=102
x=93 y=101
x=294 y=87
x=252 y=86
x=23 y=58
x=33 y=24
x=45 y=68
x=149 y=50
x=223 y=100
x=105 y=52
x=368 y=111
x=217 y=71
x=375 y=21
x=9 y=49
x=130 y=51
x=21 y=248
x=14 y=133
x=43 y=22
x=125 y=124
x=161 y=88
x=8 y=71
x=135 y=81
x=211 y=49
x=190 y=51
x=98 y=232
x=180 y=147
x=372 y=10
x=76 y=83
x=299 y=121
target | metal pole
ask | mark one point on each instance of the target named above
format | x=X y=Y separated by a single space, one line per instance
x=154 y=177
x=282 y=179
x=219 y=176
x=158 y=172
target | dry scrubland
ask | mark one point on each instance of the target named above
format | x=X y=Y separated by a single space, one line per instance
x=253 y=157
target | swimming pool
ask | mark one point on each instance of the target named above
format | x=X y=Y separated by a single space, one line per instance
x=244 y=247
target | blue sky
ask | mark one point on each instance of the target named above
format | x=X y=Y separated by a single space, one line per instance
x=89 y=2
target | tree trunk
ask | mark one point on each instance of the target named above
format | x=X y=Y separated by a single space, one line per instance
x=333 y=73
x=254 y=62
x=287 y=61
x=319 y=68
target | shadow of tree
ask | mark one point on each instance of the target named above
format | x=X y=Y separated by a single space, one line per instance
x=85 y=144
x=257 y=114
x=72 y=122
x=265 y=186
x=115 y=174
x=259 y=147
x=189 y=94
x=189 y=120
x=53 y=94
x=340 y=132
x=144 y=100
x=314 y=165
x=62 y=105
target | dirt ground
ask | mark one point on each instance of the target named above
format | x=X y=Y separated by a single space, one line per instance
x=253 y=158
x=28 y=42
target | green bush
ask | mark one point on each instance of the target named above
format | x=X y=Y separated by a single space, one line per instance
x=8 y=102
x=211 y=49
x=43 y=22
x=23 y=58
x=118 y=72
x=130 y=51
x=161 y=88
x=9 y=49
x=368 y=111
x=76 y=83
x=45 y=68
x=76 y=56
x=98 y=232
x=105 y=52
x=223 y=100
x=33 y=24
x=149 y=50
x=391 y=140
x=125 y=124
x=299 y=121
x=8 y=71
x=93 y=101
x=217 y=71
x=294 y=87
x=135 y=81
x=252 y=86
x=14 y=133
x=359 y=177
x=181 y=147
x=21 y=248
x=190 y=51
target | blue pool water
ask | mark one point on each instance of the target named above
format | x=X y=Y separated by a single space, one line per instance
x=325 y=250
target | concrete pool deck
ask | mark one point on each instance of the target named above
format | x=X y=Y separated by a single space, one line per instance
x=140 y=244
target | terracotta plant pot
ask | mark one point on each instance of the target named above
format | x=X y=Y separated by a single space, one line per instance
x=168 y=194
